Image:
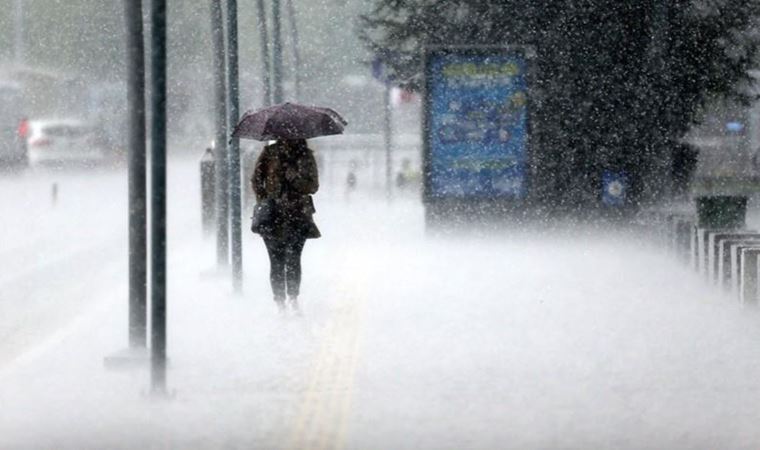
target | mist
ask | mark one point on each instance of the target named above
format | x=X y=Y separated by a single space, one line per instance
x=551 y=304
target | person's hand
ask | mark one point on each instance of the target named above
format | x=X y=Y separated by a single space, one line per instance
x=290 y=174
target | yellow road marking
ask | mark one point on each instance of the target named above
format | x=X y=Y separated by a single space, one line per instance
x=325 y=408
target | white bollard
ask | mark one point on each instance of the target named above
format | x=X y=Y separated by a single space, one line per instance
x=748 y=290
x=694 y=248
x=736 y=264
x=713 y=242
x=702 y=250
x=724 y=258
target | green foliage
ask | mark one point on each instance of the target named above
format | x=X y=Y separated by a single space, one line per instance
x=616 y=83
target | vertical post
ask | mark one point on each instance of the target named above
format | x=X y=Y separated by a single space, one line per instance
x=208 y=208
x=295 y=44
x=387 y=139
x=261 y=22
x=138 y=240
x=220 y=150
x=748 y=276
x=158 y=196
x=656 y=184
x=18 y=33
x=276 y=53
x=233 y=113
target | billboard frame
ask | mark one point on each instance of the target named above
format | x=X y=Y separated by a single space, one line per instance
x=436 y=204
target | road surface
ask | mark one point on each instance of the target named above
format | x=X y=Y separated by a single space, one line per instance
x=517 y=339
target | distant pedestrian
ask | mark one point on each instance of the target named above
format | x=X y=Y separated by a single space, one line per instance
x=405 y=175
x=351 y=180
x=285 y=176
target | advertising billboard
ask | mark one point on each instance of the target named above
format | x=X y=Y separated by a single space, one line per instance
x=476 y=126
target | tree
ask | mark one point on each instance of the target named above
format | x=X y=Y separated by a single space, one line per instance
x=617 y=84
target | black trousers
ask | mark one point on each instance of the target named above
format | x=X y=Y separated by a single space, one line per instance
x=285 y=265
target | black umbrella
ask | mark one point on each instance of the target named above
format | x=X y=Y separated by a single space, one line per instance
x=289 y=121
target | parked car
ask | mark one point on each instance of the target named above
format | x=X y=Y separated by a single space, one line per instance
x=13 y=125
x=61 y=141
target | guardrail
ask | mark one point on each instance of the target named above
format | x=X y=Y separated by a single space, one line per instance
x=714 y=243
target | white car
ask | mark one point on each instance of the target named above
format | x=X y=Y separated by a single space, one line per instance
x=63 y=141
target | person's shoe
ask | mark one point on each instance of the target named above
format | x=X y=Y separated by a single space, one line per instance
x=294 y=306
x=281 y=307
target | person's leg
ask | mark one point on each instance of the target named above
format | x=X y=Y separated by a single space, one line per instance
x=276 y=251
x=293 y=251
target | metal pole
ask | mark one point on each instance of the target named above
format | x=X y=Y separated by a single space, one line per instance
x=276 y=52
x=664 y=156
x=18 y=33
x=261 y=22
x=208 y=211
x=387 y=138
x=296 y=51
x=220 y=109
x=138 y=239
x=158 y=196
x=657 y=73
x=233 y=113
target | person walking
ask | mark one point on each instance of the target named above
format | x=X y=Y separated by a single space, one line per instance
x=285 y=176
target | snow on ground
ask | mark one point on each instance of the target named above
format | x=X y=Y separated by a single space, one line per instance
x=574 y=339
x=55 y=249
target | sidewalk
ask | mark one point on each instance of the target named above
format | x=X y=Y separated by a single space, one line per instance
x=513 y=341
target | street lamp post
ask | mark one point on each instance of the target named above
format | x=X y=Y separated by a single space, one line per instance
x=137 y=322
x=138 y=242
x=660 y=75
x=261 y=14
x=220 y=151
x=276 y=52
x=296 y=49
x=233 y=113
x=18 y=32
x=388 y=139
x=158 y=196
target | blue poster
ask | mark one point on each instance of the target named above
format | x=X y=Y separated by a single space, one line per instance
x=614 y=188
x=477 y=124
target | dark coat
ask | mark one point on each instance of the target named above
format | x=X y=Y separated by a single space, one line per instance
x=289 y=177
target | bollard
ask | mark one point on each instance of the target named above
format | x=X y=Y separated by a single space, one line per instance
x=702 y=249
x=682 y=239
x=713 y=249
x=748 y=283
x=721 y=213
x=54 y=194
x=736 y=263
x=208 y=200
x=351 y=180
x=694 y=248
x=724 y=256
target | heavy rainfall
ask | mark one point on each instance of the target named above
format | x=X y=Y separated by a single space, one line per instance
x=379 y=224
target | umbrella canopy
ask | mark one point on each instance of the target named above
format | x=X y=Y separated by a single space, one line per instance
x=289 y=121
